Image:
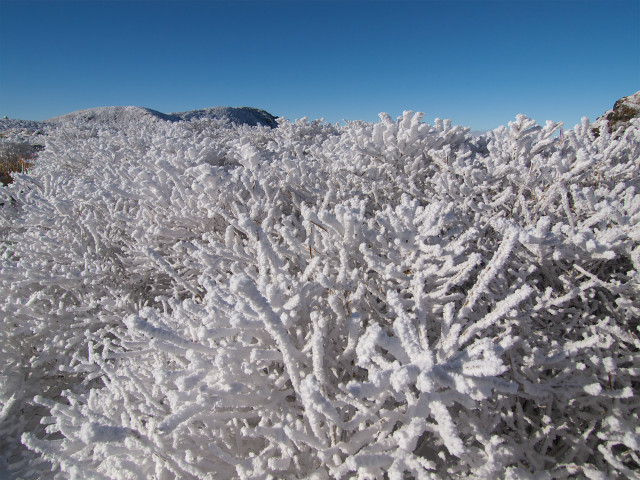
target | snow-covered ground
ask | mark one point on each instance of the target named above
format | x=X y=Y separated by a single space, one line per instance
x=208 y=299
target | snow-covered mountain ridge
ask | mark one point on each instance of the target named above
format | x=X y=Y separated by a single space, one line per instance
x=118 y=115
x=400 y=299
x=238 y=115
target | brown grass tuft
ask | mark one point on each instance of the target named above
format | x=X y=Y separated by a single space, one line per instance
x=8 y=167
x=14 y=158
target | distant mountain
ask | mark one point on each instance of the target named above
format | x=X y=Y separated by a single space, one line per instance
x=619 y=116
x=478 y=133
x=18 y=125
x=110 y=115
x=238 y=115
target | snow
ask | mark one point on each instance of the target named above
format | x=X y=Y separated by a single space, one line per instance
x=119 y=115
x=242 y=115
x=198 y=295
x=15 y=124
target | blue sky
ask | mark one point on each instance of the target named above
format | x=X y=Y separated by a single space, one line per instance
x=477 y=62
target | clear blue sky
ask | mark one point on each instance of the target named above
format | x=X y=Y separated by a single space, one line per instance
x=476 y=62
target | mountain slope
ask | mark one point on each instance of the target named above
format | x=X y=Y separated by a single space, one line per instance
x=110 y=114
x=241 y=115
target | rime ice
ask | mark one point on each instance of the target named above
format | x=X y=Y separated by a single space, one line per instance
x=202 y=300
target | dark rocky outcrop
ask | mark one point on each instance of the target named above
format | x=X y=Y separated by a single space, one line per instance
x=620 y=115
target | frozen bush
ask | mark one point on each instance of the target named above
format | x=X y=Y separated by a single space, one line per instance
x=316 y=301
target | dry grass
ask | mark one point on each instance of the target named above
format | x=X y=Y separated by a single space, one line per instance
x=14 y=158
x=7 y=168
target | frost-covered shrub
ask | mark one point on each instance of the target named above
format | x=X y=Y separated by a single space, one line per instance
x=196 y=301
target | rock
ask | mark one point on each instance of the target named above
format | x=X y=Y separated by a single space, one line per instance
x=620 y=115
